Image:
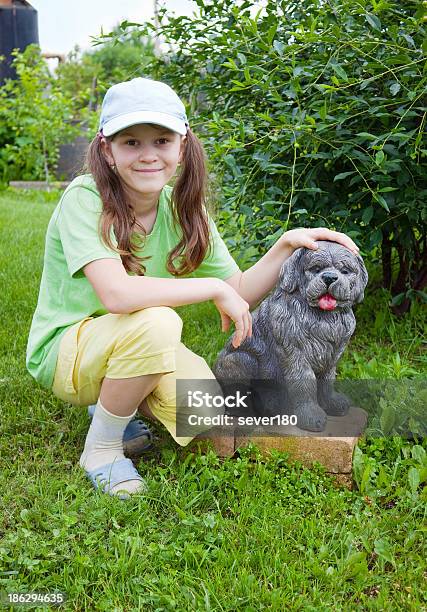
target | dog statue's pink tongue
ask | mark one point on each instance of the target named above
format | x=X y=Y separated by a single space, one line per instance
x=327 y=302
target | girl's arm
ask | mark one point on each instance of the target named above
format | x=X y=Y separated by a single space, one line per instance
x=256 y=282
x=122 y=294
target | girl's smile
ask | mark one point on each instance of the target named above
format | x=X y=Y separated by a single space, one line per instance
x=152 y=170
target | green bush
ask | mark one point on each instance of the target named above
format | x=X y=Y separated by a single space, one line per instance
x=34 y=120
x=314 y=115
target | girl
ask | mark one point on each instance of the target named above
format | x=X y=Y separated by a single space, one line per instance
x=117 y=247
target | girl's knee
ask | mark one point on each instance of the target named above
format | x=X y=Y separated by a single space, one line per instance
x=159 y=325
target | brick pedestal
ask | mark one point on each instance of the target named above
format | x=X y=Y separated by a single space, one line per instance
x=333 y=449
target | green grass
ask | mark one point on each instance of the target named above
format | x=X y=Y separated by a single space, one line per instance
x=210 y=534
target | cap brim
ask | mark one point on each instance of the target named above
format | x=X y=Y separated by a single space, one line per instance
x=123 y=121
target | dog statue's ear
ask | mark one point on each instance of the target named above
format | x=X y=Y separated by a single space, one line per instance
x=290 y=272
x=363 y=280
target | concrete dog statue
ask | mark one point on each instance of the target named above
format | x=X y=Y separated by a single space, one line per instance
x=299 y=333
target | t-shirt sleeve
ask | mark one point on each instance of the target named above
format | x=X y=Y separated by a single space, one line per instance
x=77 y=223
x=217 y=262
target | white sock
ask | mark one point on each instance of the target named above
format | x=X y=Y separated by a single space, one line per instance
x=104 y=444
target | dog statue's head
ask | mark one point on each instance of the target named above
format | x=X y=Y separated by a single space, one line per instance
x=328 y=278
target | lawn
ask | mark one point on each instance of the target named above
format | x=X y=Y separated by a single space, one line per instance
x=210 y=534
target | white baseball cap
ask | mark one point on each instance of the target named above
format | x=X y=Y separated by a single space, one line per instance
x=142 y=101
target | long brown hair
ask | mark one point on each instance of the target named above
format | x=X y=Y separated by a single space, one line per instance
x=188 y=209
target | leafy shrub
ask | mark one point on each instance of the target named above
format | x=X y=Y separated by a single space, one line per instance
x=394 y=407
x=34 y=120
x=314 y=114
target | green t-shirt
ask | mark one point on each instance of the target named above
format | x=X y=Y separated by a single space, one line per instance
x=72 y=241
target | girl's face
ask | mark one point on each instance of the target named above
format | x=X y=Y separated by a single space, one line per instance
x=146 y=157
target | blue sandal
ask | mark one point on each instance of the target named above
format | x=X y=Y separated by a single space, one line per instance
x=109 y=475
x=137 y=438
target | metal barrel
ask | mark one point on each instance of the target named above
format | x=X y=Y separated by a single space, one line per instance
x=18 y=29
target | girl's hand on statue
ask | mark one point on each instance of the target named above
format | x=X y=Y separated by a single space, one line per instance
x=306 y=237
x=234 y=308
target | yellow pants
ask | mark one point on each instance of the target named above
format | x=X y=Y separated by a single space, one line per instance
x=125 y=346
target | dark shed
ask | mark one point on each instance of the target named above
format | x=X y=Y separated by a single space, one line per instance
x=18 y=29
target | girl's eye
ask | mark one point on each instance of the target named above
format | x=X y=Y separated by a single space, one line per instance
x=163 y=140
x=131 y=142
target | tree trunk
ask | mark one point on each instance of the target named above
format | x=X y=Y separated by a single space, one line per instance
x=386 y=259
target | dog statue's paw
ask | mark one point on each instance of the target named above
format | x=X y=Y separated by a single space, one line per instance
x=311 y=417
x=336 y=405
